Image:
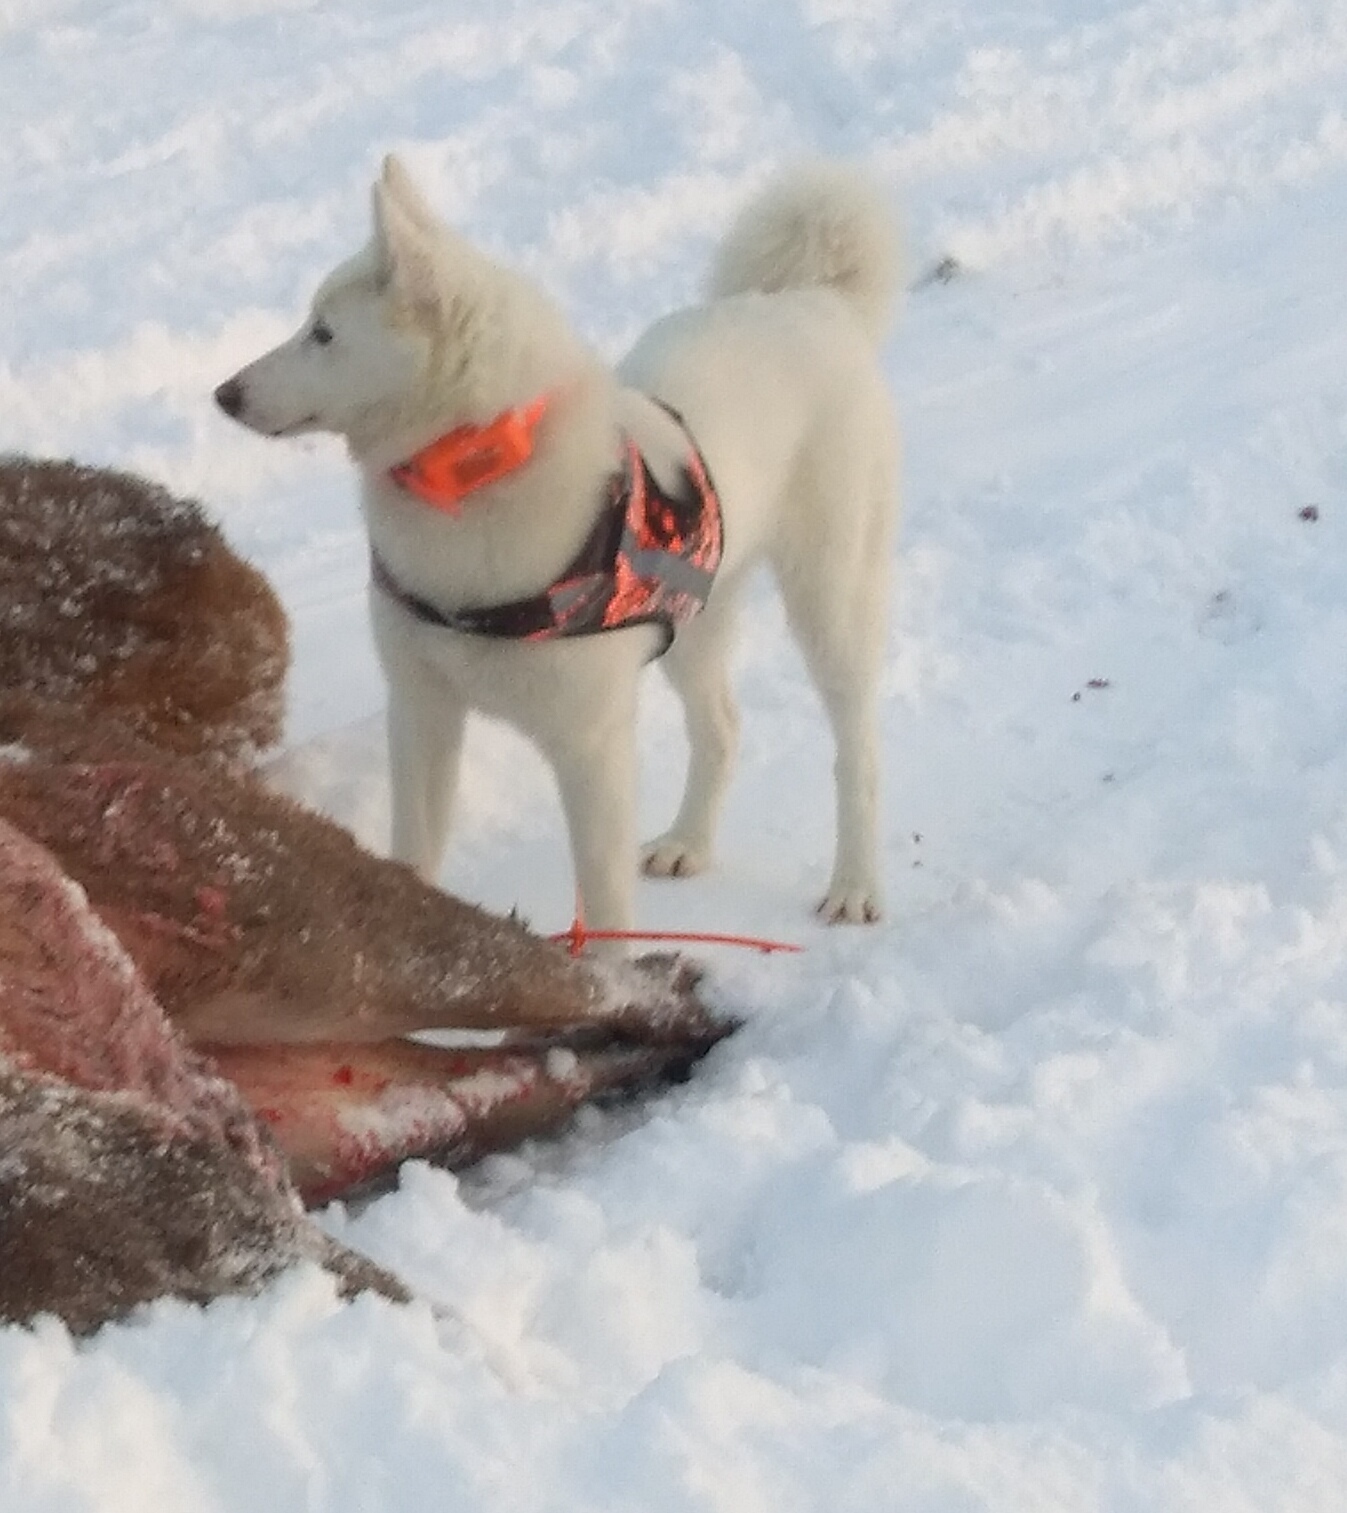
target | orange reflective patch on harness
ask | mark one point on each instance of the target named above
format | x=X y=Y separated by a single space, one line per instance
x=651 y=559
x=469 y=457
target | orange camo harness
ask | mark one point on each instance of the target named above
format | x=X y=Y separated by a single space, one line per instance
x=650 y=560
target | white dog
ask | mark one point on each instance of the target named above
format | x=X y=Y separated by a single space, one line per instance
x=540 y=526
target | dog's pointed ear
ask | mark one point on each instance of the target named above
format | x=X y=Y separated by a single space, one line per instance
x=400 y=186
x=402 y=250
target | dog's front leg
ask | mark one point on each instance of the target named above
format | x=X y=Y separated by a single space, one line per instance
x=596 y=778
x=425 y=741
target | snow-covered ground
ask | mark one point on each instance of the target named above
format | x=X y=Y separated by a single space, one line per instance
x=1034 y=1197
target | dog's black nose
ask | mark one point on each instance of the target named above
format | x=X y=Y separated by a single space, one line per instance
x=229 y=397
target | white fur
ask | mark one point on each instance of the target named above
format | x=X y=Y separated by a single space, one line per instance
x=778 y=381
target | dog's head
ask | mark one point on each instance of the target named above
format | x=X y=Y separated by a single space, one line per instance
x=357 y=364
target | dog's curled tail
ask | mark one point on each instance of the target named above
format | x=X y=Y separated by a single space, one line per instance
x=820 y=223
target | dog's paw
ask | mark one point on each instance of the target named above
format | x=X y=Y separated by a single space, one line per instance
x=671 y=856
x=851 y=906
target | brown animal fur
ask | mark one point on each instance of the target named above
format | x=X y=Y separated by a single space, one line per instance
x=99 y=1213
x=121 y=600
x=254 y=920
x=296 y=960
x=130 y=1169
x=131 y=640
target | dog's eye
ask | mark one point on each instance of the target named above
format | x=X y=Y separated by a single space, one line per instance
x=320 y=332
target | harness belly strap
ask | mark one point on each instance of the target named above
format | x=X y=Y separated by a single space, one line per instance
x=650 y=560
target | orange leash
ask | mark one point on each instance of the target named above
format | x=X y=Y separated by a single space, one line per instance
x=578 y=936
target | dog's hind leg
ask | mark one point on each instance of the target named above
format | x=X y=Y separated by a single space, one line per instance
x=697 y=666
x=854 y=894
x=425 y=740
x=838 y=618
